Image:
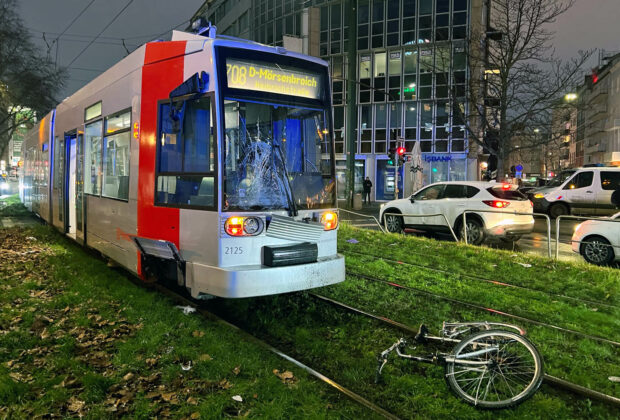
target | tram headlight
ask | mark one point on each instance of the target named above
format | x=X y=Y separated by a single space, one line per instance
x=329 y=220
x=251 y=225
x=243 y=226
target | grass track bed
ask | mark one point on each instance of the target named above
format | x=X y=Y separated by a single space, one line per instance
x=78 y=339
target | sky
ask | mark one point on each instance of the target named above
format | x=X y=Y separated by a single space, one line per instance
x=588 y=24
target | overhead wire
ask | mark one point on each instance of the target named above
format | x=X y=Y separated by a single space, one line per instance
x=101 y=32
x=66 y=28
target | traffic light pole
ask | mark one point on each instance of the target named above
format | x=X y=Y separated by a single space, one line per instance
x=351 y=8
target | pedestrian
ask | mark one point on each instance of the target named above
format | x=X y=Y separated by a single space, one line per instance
x=367 y=187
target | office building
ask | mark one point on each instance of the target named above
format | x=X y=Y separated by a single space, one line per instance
x=411 y=58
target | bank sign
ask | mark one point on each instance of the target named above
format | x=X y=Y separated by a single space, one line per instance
x=268 y=77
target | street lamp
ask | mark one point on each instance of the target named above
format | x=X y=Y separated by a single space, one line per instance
x=569 y=97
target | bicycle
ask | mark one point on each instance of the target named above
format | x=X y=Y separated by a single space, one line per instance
x=492 y=367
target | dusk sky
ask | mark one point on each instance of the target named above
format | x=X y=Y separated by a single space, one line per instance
x=589 y=24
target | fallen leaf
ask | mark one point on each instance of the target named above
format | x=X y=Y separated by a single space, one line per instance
x=128 y=376
x=205 y=357
x=287 y=376
x=195 y=416
x=75 y=405
x=192 y=401
x=237 y=370
x=237 y=398
x=198 y=333
x=151 y=362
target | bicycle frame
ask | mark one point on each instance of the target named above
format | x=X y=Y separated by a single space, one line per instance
x=449 y=333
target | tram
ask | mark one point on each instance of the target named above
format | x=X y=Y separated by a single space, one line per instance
x=205 y=161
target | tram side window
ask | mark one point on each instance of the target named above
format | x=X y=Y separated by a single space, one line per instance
x=92 y=158
x=116 y=150
x=186 y=166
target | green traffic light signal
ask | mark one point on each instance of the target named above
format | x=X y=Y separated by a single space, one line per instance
x=390 y=162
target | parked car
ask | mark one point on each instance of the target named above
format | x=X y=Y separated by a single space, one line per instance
x=4 y=186
x=451 y=199
x=598 y=241
x=580 y=191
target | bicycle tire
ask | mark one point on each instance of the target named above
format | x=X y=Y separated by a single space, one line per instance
x=511 y=366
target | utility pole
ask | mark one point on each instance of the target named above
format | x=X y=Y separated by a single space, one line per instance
x=351 y=140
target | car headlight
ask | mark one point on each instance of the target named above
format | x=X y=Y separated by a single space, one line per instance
x=539 y=195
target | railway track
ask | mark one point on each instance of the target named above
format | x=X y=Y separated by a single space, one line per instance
x=589 y=302
x=484 y=309
x=549 y=379
x=335 y=385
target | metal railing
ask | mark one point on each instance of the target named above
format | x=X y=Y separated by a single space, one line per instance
x=426 y=215
x=548 y=220
x=364 y=215
x=568 y=216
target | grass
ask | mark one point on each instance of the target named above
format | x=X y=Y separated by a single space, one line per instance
x=346 y=347
x=12 y=207
x=114 y=349
x=78 y=339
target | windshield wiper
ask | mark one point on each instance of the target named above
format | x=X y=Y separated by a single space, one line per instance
x=292 y=210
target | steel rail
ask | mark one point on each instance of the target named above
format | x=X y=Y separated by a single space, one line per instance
x=485 y=309
x=549 y=379
x=482 y=279
x=210 y=315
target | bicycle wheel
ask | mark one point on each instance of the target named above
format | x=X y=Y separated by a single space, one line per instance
x=494 y=369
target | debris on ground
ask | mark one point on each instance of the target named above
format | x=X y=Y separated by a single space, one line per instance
x=186 y=309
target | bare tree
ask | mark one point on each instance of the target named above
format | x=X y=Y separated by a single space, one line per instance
x=515 y=79
x=28 y=79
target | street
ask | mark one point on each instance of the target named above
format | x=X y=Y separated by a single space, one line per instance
x=534 y=243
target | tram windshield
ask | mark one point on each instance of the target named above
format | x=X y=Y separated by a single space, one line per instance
x=277 y=156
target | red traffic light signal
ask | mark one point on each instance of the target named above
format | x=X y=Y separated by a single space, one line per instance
x=400 y=151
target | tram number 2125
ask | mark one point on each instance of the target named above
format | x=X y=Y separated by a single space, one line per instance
x=233 y=250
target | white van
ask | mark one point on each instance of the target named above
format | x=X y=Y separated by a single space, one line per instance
x=587 y=191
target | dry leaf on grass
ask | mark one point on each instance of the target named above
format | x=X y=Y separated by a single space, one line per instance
x=75 y=404
x=205 y=358
x=237 y=370
x=198 y=333
x=287 y=376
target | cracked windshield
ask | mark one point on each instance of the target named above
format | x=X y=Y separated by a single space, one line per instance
x=277 y=157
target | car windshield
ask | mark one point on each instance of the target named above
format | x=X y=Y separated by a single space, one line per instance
x=560 y=178
x=277 y=156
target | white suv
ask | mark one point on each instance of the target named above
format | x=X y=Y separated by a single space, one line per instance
x=451 y=199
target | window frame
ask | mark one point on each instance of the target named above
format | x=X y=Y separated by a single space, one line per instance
x=157 y=173
x=94 y=121
x=103 y=143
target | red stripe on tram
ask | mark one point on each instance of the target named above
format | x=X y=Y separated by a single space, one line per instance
x=162 y=72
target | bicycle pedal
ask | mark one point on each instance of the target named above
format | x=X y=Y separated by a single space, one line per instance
x=420 y=337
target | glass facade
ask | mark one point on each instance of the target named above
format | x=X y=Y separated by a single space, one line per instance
x=411 y=61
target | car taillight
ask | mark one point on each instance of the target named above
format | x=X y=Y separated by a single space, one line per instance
x=243 y=226
x=498 y=204
x=329 y=219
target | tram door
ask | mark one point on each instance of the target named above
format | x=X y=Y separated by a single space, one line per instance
x=69 y=194
x=79 y=188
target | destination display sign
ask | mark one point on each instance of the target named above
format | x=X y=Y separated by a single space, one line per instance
x=269 y=77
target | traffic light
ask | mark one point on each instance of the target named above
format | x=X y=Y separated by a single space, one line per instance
x=391 y=156
x=401 y=155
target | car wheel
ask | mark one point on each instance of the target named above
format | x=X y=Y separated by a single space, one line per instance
x=558 y=210
x=597 y=250
x=393 y=224
x=475 y=232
